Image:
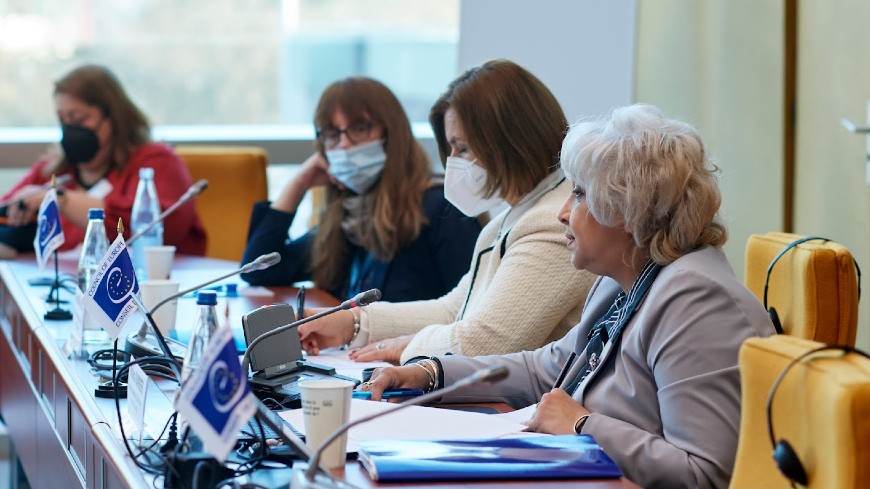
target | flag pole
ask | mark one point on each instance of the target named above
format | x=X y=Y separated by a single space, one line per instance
x=56 y=314
x=108 y=389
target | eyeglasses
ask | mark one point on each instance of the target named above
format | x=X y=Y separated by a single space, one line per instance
x=356 y=132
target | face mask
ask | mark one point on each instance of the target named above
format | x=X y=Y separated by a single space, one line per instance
x=79 y=143
x=359 y=167
x=463 y=187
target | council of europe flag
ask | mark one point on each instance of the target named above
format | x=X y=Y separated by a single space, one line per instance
x=216 y=399
x=49 y=233
x=109 y=298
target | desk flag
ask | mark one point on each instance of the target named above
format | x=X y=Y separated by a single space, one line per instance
x=216 y=399
x=109 y=298
x=49 y=233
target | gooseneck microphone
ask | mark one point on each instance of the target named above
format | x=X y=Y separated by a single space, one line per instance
x=309 y=479
x=140 y=343
x=191 y=192
x=58 y=181
x=359 y=300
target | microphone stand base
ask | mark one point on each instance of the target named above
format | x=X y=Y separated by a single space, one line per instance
x=106 y=390
x=321 y=481
x=147 y=346
x=57 y=314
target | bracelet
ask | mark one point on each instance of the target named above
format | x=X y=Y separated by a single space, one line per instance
x=429 y=374
x=434 y=371
x=356 y=325
x=578 y=425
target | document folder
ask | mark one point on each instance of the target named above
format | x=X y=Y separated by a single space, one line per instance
x=527 y=457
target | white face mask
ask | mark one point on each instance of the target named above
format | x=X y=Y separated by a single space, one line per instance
x=463 y=187
x=358 y=167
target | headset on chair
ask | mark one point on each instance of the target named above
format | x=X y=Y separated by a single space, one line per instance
x=787 y=460
x=774 y=317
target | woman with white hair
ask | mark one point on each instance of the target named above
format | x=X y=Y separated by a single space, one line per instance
x=654 y=378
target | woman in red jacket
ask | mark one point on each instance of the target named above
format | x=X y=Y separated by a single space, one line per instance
x=105 y=141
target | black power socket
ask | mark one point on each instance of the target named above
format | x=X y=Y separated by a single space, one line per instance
x=196 y=469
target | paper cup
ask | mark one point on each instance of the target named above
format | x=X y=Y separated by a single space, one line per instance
x=154 y=291
x=325 y=407
x=158 y=261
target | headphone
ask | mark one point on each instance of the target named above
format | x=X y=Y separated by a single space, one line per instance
x=774 y=317
x=784 y=455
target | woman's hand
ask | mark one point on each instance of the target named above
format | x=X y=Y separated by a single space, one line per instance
x=332 y=330
x=389 y=350
x=313 y=172
x=408 y=377
x=24 y=211
x=556 y=414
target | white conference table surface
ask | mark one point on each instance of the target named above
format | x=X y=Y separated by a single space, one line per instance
x=64 y=387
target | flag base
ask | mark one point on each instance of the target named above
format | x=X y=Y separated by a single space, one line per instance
x=106 y=390
x=58 y=314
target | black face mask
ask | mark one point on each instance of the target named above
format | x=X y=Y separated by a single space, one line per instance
x=79 y=143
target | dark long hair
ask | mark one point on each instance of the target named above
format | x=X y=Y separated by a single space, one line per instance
x=95 y=85
x=397 y=216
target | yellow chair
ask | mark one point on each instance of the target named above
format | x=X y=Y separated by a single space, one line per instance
x=821 y=407
x=813 y=286
x=236 y=180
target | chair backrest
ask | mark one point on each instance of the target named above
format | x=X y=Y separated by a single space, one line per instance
x=236 y=180
x=821 y=407
x=813 y=286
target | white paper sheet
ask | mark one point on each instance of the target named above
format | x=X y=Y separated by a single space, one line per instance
x=341 y=362
x=520 y=415
x=416 y=423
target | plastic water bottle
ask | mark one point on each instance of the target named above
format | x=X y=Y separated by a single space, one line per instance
x=203 y=329
x=93 y=248
x=146 y=208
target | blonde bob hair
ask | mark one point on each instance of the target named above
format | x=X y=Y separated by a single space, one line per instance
x=649 y=174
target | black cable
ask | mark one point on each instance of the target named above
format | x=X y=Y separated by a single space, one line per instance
x=151 y=469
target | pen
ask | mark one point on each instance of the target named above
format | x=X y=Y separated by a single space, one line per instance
x=389 y=394
x=300 y=303
x=564 y=372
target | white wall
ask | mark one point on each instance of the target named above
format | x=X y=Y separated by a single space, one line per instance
x=583 y=50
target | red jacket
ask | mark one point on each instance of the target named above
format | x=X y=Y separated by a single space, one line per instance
x=171 y=179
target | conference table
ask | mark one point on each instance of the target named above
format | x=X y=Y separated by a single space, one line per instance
x=64 y=436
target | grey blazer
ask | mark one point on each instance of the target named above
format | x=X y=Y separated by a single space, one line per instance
x=665 y=400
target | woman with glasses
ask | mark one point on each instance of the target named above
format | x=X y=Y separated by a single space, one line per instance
x=499 y=130
x=105 y=140
x=385 y=223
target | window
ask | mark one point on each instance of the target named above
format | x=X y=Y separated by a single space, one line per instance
x=225 y=62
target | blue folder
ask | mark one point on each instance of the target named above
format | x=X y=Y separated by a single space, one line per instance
x=528 y=457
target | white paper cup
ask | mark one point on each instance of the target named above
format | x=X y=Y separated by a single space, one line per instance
x=154 y=291
x=325 y=407
x=158 y=261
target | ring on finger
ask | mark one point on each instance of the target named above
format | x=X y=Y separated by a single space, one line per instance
x=380 y=346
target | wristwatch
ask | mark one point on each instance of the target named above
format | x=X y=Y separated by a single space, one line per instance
x=578 y=425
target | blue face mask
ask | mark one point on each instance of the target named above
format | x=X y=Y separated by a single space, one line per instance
x=359 y=167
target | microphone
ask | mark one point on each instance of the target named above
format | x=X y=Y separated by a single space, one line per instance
x=191 y=192
x=58 y=180
x=308 y=479
x=140 y=344
x=359 y=300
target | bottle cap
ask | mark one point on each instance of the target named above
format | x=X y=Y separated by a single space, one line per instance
x=146 y=172
x=206 y=298
x=96 y=213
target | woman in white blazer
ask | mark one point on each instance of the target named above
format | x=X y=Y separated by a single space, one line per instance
x=654 y=378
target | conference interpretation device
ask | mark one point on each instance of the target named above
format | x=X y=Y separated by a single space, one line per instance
x=277 y=365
